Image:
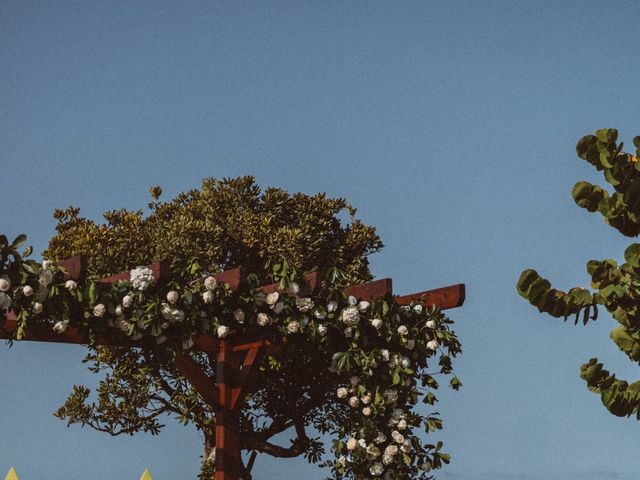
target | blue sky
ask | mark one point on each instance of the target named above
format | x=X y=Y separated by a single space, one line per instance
x=451 y=126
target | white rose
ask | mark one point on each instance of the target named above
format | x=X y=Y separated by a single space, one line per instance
x=387 y=459
x=294 y=287
x=350 y=316
x=119 y=310
x=406 y=446
x=172 y=297
x=293 y=327
x=165 y=311
x=262 y=319
x=348 y=332
x=380 y=438
x=177 y=316
x=353 y=301
x=332 y=306
x=417 y=308
x=373 y=451
x=46 y=264
x=432 y=345
x=366 y=411
x=390 y=396
x=278 y=307
x=304 y=304
x=397 y=436
x=223 y=331
x=127 y=301
x=71 y=285
x=425 y=467
x=320 y=314
x=363 y=305
x=362 y=442
x=354 y=402
x=239 y=315
x=376 y=469
x=45 y=277
x=385 y=354
x=60 y=327
x=141 y=278
x=210 y=283
x=272 y=298
x=376 y=323
x=37 y=308
x=431 y=324
x=27 y=290
x=322 y=329
x=342 y=392
x=352 y=444
x=99 y=310
x=391 y=450
x=354 y=380
x=405 y=362
x=402 y=424
x=402 y=330
x=5 y=301
x=5 y=283
x=207 y=297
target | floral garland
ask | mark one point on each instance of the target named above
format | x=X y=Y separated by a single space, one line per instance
x=384 y=348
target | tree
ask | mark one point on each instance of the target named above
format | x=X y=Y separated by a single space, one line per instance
x=616 y=287
x=349 y=370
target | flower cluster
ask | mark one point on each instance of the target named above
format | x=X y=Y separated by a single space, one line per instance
x=380 y=351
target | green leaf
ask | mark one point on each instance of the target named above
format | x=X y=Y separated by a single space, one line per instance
x=632 y=255
x=607 y=135
x=19 y=240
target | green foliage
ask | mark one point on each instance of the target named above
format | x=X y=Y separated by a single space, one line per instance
x=616 y=287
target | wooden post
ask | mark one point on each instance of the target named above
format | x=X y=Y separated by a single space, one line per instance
x=228 y=459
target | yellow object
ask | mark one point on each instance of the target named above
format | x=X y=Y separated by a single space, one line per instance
x=12 y=475
x=145 y=476
x=634 y=159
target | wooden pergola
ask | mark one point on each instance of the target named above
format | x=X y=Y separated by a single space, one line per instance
x=236 y=355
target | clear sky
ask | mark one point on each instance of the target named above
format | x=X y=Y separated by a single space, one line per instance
x=451 y=126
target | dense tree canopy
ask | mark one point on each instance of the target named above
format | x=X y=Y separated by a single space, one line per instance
x=616 y=287
x=351 y=369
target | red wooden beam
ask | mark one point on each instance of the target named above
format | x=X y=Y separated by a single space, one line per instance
x=201 y=382
x=370 y=290
x=75 y=267
x=443 y=298
x=233 y=277
x=311 y=285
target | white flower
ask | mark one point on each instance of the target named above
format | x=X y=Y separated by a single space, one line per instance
x=402 y=424
x=348 y=332
x=293 y=327
x=27 y=290
x=37 y=308
x=362 y=442
x=391 y=450
x=320 y=314
x=223 y=331
x=411 y=344
x=387 y=459
x=187 y=344
x=262 y=319
x=406 y=446
x=342 y=460
x=5 y=301
x=354 y=402
x=363 y=305
x=177 y=316
x=431 y=324
x=385 y=354
x=207 y=297
x=322 y=330
x=342 y=392
x=165 y=311
x=433 y=344
x=373 y=451
x=304 y=304
x=272 y=298
x=45 y=277
x=172 y=297
x=354 y=380
x=425 y=467
x=380 y=438
x=376 y=323
x=376 y=469
x=278 y=307
x=366 y=399
x=47 y=264
x=294 y=287
x=390 y=396
x=397 y=436
x=119 y=310
x=366 y=411
x=350 y=316
x=402 y=330
x=210 y=283
x=5 y=283
x=332 y=306
x=353 y=301
x=239 y=315
x=60 y=327
x=127 y=300
x=99 y=310
x=417 y=308
x=71 y=285
x=405 y=362
x=141 y=278
x=352 y=444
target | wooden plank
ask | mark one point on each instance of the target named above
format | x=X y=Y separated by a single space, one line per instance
x=452 y=296
x=161 y=273
x=201 y=382
x=76 y=267
x=243 y=378
x=370 y=290
x=312 y=285
x=232 y=277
